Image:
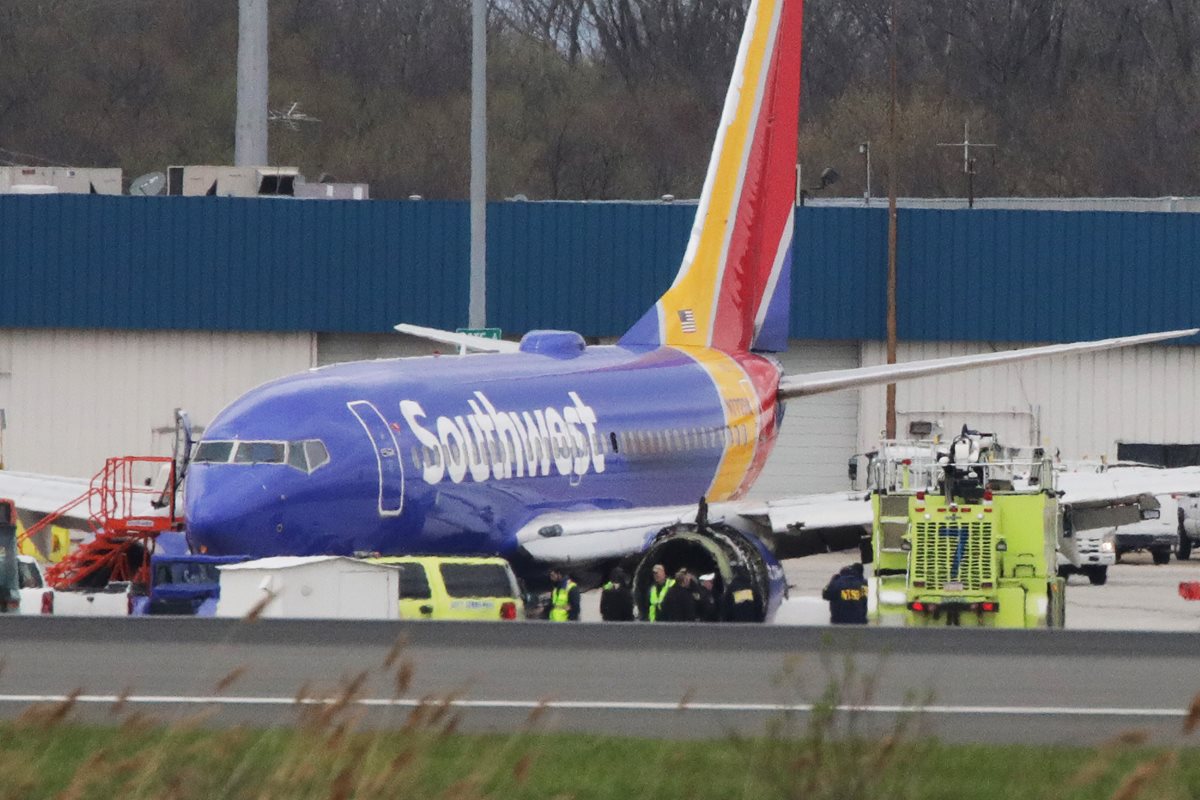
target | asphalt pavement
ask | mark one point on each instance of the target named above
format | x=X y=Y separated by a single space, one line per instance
x=631 y=679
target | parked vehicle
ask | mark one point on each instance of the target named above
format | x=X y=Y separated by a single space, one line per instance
x=36 y=596
x=1188 y=525
x=10 y=597
x=1159 y=537
x=965 y=533
x=1089 y=552
x=188 y=585
x=441 y=587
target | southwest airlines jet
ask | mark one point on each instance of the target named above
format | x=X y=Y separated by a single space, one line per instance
x=553 y=452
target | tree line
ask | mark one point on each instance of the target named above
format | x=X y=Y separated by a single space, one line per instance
x=604 y=99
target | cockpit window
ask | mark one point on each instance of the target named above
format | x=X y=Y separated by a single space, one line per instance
x=213 y=452
x=296 y=456
x=318 y=456
x=259 y=453
x=306 y=455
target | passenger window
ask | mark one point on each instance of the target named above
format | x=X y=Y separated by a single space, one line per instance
x=414 y=583
x=416 y=457
x=612 y=439
x=259 y=453
x=476 y=580
x=213 y=452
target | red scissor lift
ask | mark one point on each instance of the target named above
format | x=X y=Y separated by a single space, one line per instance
x=123 y=539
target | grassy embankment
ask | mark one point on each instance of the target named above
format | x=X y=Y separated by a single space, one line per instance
x=47 y=754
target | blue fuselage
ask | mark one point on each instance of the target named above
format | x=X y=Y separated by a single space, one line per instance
x=452 y=454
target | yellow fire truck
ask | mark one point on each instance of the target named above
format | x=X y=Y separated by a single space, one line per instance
x=965 y=533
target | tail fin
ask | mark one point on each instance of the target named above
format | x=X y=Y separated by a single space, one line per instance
x=732 y=290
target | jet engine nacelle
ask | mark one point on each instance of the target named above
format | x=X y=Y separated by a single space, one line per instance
x=718 y=548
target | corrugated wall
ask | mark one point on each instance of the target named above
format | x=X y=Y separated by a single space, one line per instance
x=1081 y=405
x=336 y=266
x=231 y=264
x=73 y=398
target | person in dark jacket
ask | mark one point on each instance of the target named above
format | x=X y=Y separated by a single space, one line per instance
x=616 y=599
x=742 y=602
x=679 y=605
x=847 y=596
x=707 y=608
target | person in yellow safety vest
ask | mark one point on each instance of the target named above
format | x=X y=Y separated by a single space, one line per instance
x=658 y=591
x=564 y=598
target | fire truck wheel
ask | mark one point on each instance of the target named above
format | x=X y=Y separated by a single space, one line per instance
x=1162 y=556
x=1098 y=575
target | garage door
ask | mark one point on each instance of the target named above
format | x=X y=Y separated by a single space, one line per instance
x=819 y=433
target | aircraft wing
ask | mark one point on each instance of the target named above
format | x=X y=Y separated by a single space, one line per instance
x=1093 y=500
x=467 y=340
x=1119 y=495
x=792 y=386
x=566 y=537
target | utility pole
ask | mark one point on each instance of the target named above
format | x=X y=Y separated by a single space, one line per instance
x=865 y=149
x=477 y=308
x=968 y=160
x=250 y=129
x=890 y=422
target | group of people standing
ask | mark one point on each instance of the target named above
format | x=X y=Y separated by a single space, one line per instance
x=686 y=598
x=683 y=598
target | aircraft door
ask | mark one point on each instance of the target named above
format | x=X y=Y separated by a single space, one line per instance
x=387 y=455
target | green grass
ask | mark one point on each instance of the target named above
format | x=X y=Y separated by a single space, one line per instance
x=140 y=760
x=827 y=756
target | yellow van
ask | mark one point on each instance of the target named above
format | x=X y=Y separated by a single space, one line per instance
x=445 y=587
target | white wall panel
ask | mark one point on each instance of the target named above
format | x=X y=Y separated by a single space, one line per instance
x=1080 y=405
x=72 y=398
x=819 y=433
x=336 y=348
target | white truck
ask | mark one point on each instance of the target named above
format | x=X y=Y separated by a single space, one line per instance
x=1089 y=553
x=114 y=600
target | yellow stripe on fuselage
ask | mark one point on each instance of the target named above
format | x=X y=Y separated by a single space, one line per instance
x=696 y=289
x=740 y=403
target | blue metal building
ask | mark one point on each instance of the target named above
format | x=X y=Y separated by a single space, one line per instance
x=254 y=265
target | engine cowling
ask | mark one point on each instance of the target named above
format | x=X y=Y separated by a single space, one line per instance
x=717 y=548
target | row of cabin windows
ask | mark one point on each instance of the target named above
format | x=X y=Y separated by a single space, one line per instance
x=496 y=450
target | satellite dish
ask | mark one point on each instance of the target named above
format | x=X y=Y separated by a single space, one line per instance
x=148 y=185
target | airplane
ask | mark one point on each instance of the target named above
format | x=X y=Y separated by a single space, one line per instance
x=552 y=452
x=549 y=451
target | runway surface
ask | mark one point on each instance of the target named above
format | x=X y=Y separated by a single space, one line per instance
x=631 y=679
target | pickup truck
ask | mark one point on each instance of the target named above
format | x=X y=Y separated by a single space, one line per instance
x=114 y=600
x=1188 y=518
x=184 y=584
x=1158 y=536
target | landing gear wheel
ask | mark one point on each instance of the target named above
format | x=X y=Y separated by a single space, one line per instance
x=1098 y=575
x=1161 y=556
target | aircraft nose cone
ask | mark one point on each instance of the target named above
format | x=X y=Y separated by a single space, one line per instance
x=221 y=521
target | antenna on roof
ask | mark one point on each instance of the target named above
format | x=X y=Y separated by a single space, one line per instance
x=148 y=185
x=292 y=117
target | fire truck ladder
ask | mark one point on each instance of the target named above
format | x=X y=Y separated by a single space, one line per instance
x=123 y=540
